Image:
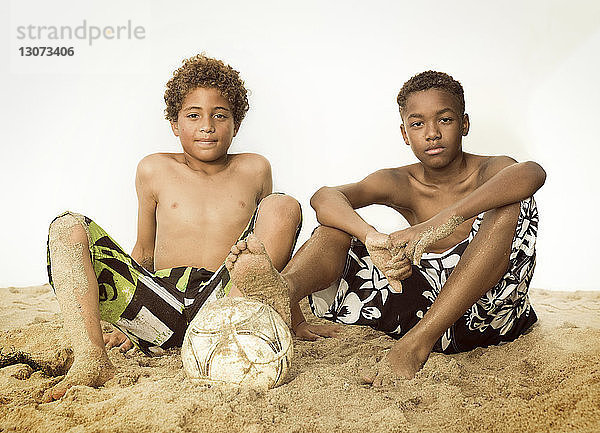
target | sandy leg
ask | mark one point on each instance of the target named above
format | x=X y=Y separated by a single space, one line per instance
x=77 y=292
x=479 y=269
x=253 y=274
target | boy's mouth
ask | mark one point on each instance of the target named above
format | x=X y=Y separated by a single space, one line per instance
x=434 y=150
x=206 y=141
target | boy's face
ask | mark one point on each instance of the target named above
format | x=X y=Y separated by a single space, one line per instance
x=205 y=124
x=433 y=126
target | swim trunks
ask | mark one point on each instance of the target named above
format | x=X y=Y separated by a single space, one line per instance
x=151 y=308
x=364 y=297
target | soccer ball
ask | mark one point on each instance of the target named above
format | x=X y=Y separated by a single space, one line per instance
x=237 y=340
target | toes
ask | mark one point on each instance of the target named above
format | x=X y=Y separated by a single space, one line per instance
x=241 y=245
x=54 y=393
x=229 y=261
x=254 y=244
x=47 y=397
x=378 y=381
x=235 y=250
x=368 y=376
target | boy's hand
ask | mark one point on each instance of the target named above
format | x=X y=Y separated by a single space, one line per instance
x=380 y=249
x=406 y=241
x=306 y=331
x=117 y=339
x=416 y=239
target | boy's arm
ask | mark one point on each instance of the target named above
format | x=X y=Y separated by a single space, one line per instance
x=502 y=182
x=266 y=176
x=143 y=251
x=335 y=206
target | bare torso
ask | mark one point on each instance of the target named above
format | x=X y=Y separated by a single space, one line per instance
x=424 y=200
x=199 y=216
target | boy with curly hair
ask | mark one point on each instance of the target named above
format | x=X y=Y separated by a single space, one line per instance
x=192 y=207
x=458 y=277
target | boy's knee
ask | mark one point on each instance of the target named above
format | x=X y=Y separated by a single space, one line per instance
x=67 y=229
x=282 y=206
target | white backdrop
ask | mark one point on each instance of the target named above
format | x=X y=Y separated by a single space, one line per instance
x=324 y=78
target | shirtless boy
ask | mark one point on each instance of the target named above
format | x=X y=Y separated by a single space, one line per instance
x=193 y=206
x=458 y=277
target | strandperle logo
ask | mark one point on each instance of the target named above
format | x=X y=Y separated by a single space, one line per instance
x=82 y=32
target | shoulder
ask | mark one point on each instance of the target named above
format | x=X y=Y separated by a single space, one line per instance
x=381 y=186
x=491 y=165
x=252 y=163
x=387 y=175
x=149 y=164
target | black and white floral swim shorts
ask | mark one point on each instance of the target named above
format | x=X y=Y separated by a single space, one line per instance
x=364 y=297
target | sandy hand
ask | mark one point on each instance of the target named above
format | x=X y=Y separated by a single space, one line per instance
x=380 y=248
x=417 y=239
x=93 y=369
x=253 y=273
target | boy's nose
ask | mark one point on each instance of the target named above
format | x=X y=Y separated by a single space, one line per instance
x=207 y=127
x=432 y=132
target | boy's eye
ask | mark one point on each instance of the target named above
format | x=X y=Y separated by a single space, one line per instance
x=192 y=116
x=446 y=119
x=416 y=124
x=220 y=116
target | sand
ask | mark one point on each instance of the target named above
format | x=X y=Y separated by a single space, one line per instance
x=547 y=380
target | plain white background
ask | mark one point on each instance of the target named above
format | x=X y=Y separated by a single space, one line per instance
x=324 y=78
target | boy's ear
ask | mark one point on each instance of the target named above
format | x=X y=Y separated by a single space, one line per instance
x=465 y=125
x=175 y=128
x=404 y=136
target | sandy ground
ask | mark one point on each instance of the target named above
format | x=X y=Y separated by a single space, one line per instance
x=548 y=380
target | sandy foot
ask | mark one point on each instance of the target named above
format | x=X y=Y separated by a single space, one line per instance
x=403 y=361
x=253 y=274
x=93 y=370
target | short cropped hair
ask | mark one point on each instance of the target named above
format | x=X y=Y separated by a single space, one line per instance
x=202 y=71
x=431 y=80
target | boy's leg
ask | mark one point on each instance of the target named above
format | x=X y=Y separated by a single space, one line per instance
x=277 y=223
x=275 y=231
x=481 y=266
x=77 y=292
x=318 y=263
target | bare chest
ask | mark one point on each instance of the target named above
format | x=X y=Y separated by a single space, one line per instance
x=185 y=203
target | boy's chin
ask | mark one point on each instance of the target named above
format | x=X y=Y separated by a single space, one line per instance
x=207 y=157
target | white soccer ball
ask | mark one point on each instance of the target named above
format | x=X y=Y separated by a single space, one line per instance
x=237 y=340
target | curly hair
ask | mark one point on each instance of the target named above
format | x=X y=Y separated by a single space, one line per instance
x=202 y=71
x=431 y=80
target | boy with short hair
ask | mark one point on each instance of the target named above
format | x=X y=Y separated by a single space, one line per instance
x=457 y=278
x=193 y=206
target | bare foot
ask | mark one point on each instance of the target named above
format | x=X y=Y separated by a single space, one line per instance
x=92 y=370
x=379 y=247
x=403 y=361
x=253 y=274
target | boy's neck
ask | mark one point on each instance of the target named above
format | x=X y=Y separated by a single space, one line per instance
x=207 y=167
x=451 y=174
